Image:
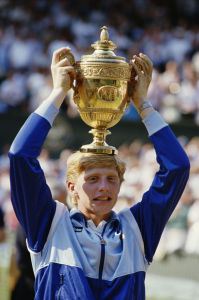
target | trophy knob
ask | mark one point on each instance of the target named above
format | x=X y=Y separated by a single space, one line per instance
x=104 y=36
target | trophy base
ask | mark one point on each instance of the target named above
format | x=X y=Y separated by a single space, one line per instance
x=99 y=146
x=92 y=148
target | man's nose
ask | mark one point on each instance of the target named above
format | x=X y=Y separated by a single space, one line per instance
x=103 y=184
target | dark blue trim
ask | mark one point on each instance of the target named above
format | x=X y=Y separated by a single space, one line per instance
x=101 y=266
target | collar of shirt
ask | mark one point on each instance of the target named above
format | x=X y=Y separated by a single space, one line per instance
x=78 y=216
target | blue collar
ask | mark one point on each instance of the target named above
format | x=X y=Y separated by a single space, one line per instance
x=78 y=216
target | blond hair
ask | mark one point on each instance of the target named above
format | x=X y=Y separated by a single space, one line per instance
x=79 y=162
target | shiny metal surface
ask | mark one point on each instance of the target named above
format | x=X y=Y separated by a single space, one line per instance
x=101 y=90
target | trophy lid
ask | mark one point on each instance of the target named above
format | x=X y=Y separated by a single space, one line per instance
x=103 y=50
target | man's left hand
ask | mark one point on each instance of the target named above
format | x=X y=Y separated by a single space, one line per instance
x=138 y=87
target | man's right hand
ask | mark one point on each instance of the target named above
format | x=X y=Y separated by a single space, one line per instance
x=63 y=73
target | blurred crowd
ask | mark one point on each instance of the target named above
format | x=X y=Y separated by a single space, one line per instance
x=166 y=31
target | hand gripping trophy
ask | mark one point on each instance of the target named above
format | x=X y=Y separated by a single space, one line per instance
x=101 y=91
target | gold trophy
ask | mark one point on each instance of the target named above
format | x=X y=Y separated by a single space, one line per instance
x=101 y=91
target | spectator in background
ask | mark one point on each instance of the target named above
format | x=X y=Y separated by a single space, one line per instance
x=192 y=242
x=188 y=97
x=21 y=50
x=13 y=92
x=2 y=227
x=24 y=287
x=176 y=231
x=179 y=45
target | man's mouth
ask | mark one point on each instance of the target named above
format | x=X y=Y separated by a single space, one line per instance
x=102 y=199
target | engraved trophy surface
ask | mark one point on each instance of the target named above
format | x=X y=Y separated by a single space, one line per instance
x=101 y=91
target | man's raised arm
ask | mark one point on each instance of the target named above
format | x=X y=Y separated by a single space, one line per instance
x=153 y=212
x=31 y=196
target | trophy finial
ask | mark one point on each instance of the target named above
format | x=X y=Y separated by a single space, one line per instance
x=104 y=36
x=104 y=43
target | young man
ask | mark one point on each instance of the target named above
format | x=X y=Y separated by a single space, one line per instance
x=92 y=252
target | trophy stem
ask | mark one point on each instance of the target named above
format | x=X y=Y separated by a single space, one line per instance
x=99 y=136
x=99 y=144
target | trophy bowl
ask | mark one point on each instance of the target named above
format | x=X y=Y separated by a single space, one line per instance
x=101 y=91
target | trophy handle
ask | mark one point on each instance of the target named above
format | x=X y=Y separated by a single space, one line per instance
x=72 y=61
x=69 y=56
x=131 y=85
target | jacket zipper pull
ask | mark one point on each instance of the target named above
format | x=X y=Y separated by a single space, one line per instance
x=103 y=242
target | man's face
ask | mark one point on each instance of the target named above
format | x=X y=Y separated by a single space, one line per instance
x=97 y=191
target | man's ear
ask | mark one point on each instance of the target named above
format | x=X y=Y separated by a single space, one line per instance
x=72 y=192
x=71 y=187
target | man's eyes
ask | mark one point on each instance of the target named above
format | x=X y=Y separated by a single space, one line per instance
x=112 y=178
x=93 y=178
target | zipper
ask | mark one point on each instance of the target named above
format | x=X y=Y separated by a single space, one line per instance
x=102 y=257
x=61 y=282
x=101 y=266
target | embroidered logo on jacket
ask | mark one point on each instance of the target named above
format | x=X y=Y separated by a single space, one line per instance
x=78 y=229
